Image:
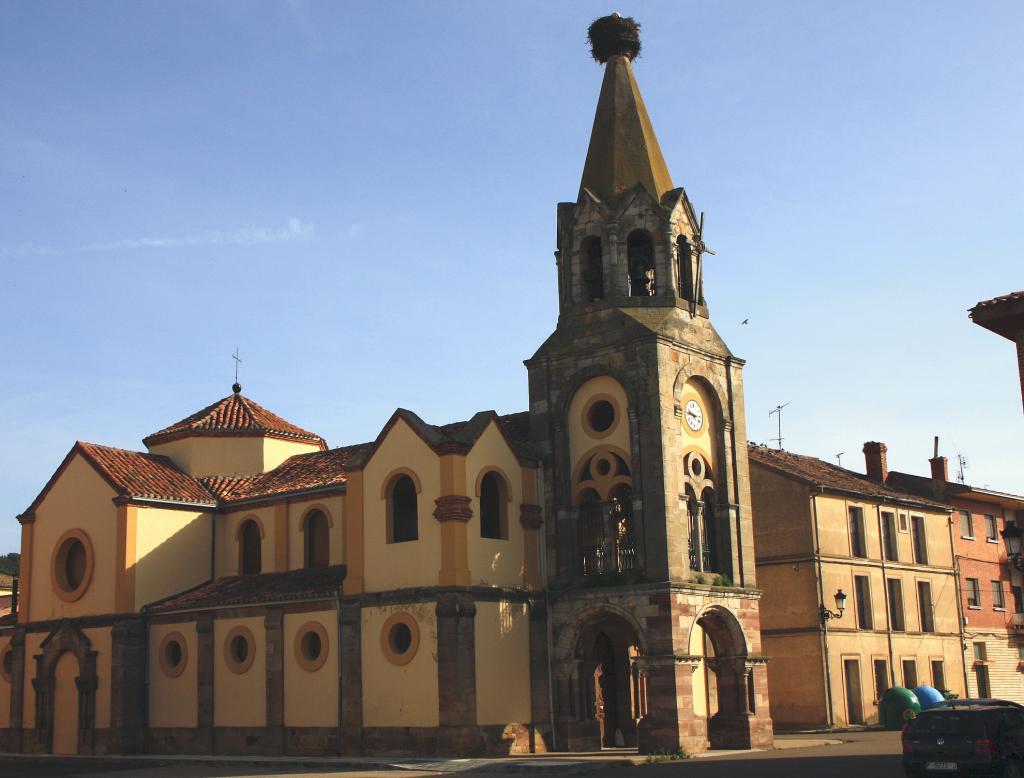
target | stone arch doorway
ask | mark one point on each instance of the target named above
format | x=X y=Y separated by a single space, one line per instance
x=612 y=685
x=65 y=689
x=65 y=706
x=723 y=684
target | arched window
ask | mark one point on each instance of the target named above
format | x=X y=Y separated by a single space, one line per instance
x=250 y=548
x=403 y=521
x=684 y=261
x=640 y=251
x=622 y=527
x=593 y=272
x=593 y=537
x=709 y=558
x=493 y=507
x=317 y=539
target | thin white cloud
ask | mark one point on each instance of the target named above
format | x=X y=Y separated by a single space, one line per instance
x=251 y=235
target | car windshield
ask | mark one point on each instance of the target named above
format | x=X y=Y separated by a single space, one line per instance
x=950 y=723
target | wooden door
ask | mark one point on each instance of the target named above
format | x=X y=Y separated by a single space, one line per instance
x=854 y=697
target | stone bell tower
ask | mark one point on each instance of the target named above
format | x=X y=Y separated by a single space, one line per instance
x=637 y=406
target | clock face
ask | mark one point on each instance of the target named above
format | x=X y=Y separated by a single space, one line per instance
x=694 y=415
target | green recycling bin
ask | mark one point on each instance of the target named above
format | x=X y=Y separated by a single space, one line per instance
x=897 y=707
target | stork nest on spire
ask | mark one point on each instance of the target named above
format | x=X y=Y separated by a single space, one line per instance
x=613 y=35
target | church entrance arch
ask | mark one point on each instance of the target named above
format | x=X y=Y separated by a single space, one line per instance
x=65 y=690
x=65 y=705
x=611 y=683
x=723 y=681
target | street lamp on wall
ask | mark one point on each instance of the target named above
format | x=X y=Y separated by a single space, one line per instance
x=1014 y=537
x=826 y=614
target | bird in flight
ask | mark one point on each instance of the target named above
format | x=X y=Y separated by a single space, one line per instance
x=744 y=321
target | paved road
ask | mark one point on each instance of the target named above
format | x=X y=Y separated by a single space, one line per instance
x=861 y=755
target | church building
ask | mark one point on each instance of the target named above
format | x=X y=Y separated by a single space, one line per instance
x=576 y=576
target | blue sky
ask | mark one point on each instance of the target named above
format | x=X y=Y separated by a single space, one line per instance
x=361 y=197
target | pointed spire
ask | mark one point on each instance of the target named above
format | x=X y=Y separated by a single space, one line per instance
x=623 y=148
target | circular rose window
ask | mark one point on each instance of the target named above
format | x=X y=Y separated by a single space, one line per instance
x=173 y=654
x=600 y=415
x=311 y=646
x=72 y=565
x=239 y=649
x=400 y=638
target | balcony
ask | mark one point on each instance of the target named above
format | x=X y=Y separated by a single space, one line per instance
x=607 y=543
x=1016 y=621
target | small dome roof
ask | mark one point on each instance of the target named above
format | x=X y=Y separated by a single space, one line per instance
x=237 y=415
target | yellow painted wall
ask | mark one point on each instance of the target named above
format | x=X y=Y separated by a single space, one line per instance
x=414 y=563
x=702 y=441
x=173 y=702
x=311 y=698
x=781 y=510
x=32 y=642
x=228 y=545
x=277 y=451
x=172 y=552
x=102 y=641
x=580 y=441
x=230 y=456
x=5 y=690
x=404 y=696
x=81 y=499
x=296 y=538
x=791 y=595
x=502 y=633
x=866 y=647
x=796 y=687
x=495 y=562
x=239 y=700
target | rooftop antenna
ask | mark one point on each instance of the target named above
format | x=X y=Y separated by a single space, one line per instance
x=236 y=387
x=778 y=412
x=839 y=458
x=962 y=465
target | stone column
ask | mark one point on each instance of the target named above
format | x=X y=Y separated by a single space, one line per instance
x=670 y=722
x=273 y=626
x=128 y=687
x=205 y=739
x=540 y=688
x=458 y=733
x=617 y=278
x=351 y=696
x=17 y=726
x=531 y=519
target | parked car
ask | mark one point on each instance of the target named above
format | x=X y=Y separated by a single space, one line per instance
x=970 y=737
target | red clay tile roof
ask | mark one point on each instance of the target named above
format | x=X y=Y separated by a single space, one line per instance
x=816 y=472
x=154 y=476
x=235 y=414
x=133 y=474
x=302 y=472
x=1005 y=298
x=308 y=584
x=224 y=487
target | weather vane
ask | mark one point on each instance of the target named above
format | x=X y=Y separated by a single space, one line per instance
x=236 y=387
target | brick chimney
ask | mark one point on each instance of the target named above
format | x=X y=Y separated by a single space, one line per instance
x=940 y=470
x=874 y=460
